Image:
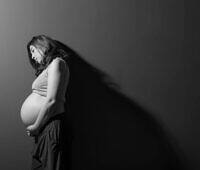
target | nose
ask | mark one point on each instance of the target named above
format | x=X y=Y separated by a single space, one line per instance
x=33 y=57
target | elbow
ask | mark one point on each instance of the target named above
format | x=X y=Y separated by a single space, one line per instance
x=51 y=101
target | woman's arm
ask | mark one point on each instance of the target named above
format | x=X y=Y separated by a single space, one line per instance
x=57 y=69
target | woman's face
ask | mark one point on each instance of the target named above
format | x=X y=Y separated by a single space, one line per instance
x=36 y=54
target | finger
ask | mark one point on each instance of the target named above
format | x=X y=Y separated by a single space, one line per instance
x=31 y=134
x=28 y=133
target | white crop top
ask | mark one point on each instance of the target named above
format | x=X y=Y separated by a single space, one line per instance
x=40 y=84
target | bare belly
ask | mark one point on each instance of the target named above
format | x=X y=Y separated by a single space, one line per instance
x=31 y=107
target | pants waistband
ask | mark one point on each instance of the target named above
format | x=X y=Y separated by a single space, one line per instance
x=59 y=116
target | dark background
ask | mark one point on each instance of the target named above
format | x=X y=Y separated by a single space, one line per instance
x=149 y=48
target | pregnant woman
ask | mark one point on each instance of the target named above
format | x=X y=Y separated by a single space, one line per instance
x=43 y=111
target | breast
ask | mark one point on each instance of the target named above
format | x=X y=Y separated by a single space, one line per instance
x=31 y=107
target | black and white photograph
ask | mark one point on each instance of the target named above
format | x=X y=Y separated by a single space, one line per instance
x=99 y=85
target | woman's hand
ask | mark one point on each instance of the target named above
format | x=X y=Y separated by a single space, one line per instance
x=32 y=130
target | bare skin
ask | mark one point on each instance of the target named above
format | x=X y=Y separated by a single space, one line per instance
x=57 y=82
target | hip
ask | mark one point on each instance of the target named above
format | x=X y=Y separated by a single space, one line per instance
x=54 y=127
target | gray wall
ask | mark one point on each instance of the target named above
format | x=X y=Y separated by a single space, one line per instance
x=139 y=43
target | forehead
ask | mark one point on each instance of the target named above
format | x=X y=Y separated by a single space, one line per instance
x=32 y=47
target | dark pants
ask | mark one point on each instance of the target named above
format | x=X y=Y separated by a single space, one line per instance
x=50 y=146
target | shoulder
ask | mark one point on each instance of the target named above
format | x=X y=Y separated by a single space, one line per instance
x=57 y=63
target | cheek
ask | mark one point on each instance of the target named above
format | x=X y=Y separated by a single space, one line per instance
x=40 y=57
x=37 y=55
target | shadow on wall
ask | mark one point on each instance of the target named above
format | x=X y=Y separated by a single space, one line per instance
x=110 y=131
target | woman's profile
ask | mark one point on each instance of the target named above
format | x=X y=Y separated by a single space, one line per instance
x=44 y=109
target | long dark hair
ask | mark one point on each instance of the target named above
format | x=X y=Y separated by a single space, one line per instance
x=51 y=49
x=95 y=105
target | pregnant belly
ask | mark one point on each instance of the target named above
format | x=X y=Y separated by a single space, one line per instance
x=31 y=108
